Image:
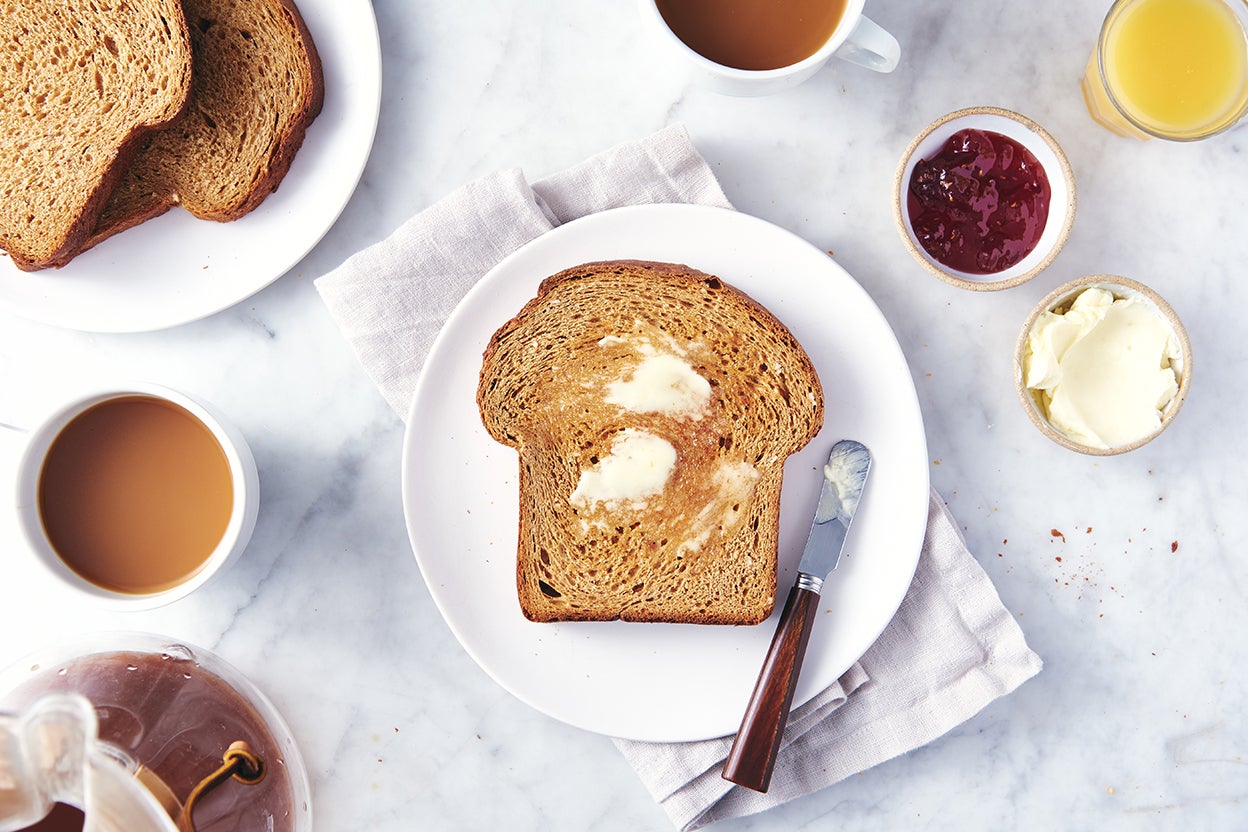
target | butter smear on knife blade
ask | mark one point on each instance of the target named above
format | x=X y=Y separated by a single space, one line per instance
x=844 y=473
x=1104 y=368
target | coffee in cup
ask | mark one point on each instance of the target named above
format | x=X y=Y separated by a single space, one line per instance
x=136 y=495
x=757 y=47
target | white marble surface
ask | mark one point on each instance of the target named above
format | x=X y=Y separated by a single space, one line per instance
x=1137 y=719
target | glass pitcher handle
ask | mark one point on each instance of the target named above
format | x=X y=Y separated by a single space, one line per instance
x=44 y=751
x=50 y=754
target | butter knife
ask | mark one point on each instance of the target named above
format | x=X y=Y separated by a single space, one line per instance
x=753 y=755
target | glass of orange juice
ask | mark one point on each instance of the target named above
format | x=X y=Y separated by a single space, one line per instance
x=1170 y=69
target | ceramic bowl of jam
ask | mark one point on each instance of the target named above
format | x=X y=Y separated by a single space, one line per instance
x=984 y=198
x=1102 y=365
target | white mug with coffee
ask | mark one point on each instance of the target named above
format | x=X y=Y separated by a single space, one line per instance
x=134 y=495
x=755 y=47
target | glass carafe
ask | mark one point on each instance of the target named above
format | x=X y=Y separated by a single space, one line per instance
x=174 y=722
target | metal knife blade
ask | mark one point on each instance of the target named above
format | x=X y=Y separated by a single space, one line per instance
x=752 y=757
x=844 y=477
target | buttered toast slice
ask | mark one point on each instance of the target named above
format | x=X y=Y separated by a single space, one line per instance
x=81 y=85
x=258 y=85
x=653 y=407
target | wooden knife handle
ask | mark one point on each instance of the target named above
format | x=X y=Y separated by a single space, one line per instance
x=753 y=754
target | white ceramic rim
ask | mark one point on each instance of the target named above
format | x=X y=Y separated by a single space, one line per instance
x=849 y=19
x=1121 y=287
x=242 y=515
x=153 y=276
x=1035 y=138
x=666 y=682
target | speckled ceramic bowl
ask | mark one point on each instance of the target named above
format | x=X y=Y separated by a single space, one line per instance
x=1059 y=300
x=1031 y=136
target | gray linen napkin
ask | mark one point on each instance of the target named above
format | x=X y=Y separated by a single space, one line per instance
x=950 y=650
x=390 y=300
x=952 y=647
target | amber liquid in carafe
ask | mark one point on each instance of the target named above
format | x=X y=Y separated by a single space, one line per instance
x=176 y=718
x=62 y=818
x=753 y=34
x=135 y=494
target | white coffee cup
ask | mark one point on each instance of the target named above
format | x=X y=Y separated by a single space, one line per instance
x=856 y=39
x=243 y=512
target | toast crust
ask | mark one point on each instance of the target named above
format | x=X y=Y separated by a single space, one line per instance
x=80 y=92
x=700 y=549
x=258 y=85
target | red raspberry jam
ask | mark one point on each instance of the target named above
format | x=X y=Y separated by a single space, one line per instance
x=980 y=204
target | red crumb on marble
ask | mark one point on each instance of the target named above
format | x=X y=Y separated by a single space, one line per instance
x=1056 y=533
x=1174 y=546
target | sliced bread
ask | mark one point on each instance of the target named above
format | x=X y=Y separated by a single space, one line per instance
x=258 y=84
x=653 y=407
x=81 y=84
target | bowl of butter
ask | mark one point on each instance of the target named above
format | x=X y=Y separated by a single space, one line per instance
x=1102 y=365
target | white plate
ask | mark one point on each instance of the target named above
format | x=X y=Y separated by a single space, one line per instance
x=664 y=682
x=177 y=269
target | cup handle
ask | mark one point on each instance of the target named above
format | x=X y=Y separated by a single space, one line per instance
x=871 y=46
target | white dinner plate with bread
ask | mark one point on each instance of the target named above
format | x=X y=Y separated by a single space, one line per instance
x=243 y=98
x=636 y=679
